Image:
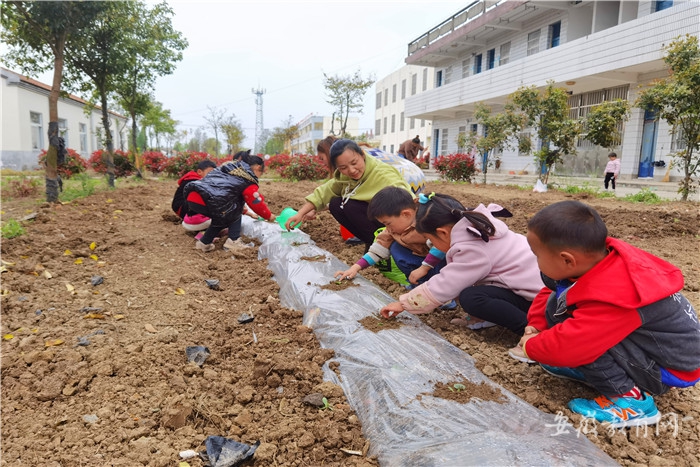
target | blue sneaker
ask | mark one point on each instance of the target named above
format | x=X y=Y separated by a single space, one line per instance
x=564 y=372
x=448 y=306
x=620 y=412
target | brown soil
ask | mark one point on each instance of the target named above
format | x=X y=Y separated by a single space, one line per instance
x=464 y=391
x=119 y=391
x=376 y=323
x=339 y=285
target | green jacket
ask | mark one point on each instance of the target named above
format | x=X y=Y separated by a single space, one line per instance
x=377 y=176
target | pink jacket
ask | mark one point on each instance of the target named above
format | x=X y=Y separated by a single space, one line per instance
x=504 y=261
x=613 y=166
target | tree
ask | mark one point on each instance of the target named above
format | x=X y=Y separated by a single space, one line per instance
x=234 y=133
x=286 y=134
x=346 y=94
x=676 y=99
x=604 y=123
x=36 y=35
x=216 y=119
x=548 y=112
x=159 y=121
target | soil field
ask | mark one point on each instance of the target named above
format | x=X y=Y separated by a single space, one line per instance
x=103 y=296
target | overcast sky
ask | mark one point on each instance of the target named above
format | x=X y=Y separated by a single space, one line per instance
x=284 y=48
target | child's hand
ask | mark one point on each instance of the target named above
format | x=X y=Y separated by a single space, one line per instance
x=348 y=274
x=251 y=213
x=391 y=310
x=530 y=330
x=293 y=221
x=526 y=337
x=272 y=218
x=417 y=274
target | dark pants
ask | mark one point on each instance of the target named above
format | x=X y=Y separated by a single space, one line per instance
x=353 y=216
x=609 y=177
x=234 y=228
x=496 y=304
x=407 y=261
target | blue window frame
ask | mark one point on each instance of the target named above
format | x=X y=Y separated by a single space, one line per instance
x=554 y=34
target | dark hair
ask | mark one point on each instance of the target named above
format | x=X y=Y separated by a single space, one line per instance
x=253 y=160
x=612 y=154
x=416 y=139
x=324 y=146
x=441 y=210
x=206 y=164
x=339 y=148
x=390 y=201
x=239 y=155
x=569 y=224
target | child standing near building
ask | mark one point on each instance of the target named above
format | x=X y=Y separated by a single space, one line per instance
x=396 y=209
x=612 y=170
x=223 y=194
x=489 y=267
x=616 y=321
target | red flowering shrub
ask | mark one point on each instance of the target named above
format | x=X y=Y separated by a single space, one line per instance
x=123 y=166
x=154 y=161
x=74 y=164
x=278 y=162
x=304 y=167
x=456 y=167
x=183 y=162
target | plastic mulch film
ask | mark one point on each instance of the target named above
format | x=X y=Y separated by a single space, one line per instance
x=388 y=375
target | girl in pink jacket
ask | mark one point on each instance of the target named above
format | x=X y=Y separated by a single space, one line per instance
x=490 y=269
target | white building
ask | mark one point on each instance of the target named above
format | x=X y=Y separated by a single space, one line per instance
x=391 y=125
x=25 y=123
x=314 y=128
x=597 y=50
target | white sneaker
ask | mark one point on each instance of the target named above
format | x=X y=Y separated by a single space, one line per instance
x=206 y=248
x=518 y=354
x=234 y=244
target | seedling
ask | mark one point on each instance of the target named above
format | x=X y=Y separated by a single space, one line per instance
x=457 y=387
x=326 y=405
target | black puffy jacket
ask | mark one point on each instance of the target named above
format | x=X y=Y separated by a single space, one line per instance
x=222 y=190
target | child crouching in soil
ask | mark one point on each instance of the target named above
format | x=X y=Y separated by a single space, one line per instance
x=617 y=320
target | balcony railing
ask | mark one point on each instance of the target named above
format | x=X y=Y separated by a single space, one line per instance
x=462 y=17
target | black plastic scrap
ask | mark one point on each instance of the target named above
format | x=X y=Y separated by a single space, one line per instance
x=197 y=354
x=224 y=452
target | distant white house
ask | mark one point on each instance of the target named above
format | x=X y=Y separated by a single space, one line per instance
x=596 y=50
x=391 y=125
x=25 y=122
x=313 y=128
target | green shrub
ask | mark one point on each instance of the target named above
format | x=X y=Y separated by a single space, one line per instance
x=123 y=166
x=644 y=196
x=304 y=167
x=12 y=229
x=456 y=167
x=73 y=165
x=183 y=162
x=78 y=187
x=22 y=187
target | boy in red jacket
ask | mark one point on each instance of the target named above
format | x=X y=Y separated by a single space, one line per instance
x=617 y=320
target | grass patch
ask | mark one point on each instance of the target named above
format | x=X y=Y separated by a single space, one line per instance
x=644 y=196
x=12 y=229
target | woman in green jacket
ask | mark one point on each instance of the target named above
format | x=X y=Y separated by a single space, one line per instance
x=356 y=179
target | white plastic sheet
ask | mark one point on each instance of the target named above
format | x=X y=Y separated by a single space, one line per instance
x=384 y=375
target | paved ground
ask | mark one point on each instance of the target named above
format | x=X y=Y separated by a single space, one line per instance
x=665 y=190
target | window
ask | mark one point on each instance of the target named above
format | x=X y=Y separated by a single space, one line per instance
x=379 y=100
x=403 y=89
x=465 y=68
x=477 y=64
x=425 y=79
x=533 y=42
x=490 y=59
x=402 y=120
x=438 y=79
x=414 y=84
x=524 y=136
x=448 y=74
x=391 y=149
x=386 y=97
x=443 y=143
x=413 y=123
x=662 y=5
x=393 y=123
x=63 y=130
x=37 y=130
x=554 y=33
x=504 y=54
x=461 y=137
x=678 y=141
x=83 y=138
x=393 y=93
x=377 y=126
x=384 y=126
x=422 y=123
x=581 y=104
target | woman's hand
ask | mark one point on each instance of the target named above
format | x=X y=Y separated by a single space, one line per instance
x=311 y=215
x=293 y=221
x=391 y=310
x=348 y=274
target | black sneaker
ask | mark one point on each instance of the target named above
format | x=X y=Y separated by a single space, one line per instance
x=354 y=241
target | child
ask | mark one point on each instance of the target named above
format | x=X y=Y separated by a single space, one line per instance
x=396 y=209
x=616 y=321
x=223 y=194
x=612 y=170
x=489 y=267
x=191 y=221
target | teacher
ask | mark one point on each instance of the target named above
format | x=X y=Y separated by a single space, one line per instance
x=356 y=179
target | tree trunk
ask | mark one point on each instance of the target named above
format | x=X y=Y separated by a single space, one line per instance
x=51 y=174
x=108 y=155
x=134 y=147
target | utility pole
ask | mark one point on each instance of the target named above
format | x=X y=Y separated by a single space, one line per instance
x=258 y=118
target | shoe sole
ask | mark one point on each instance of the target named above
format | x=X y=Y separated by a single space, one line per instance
x=521 y=359
x=653 y=420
